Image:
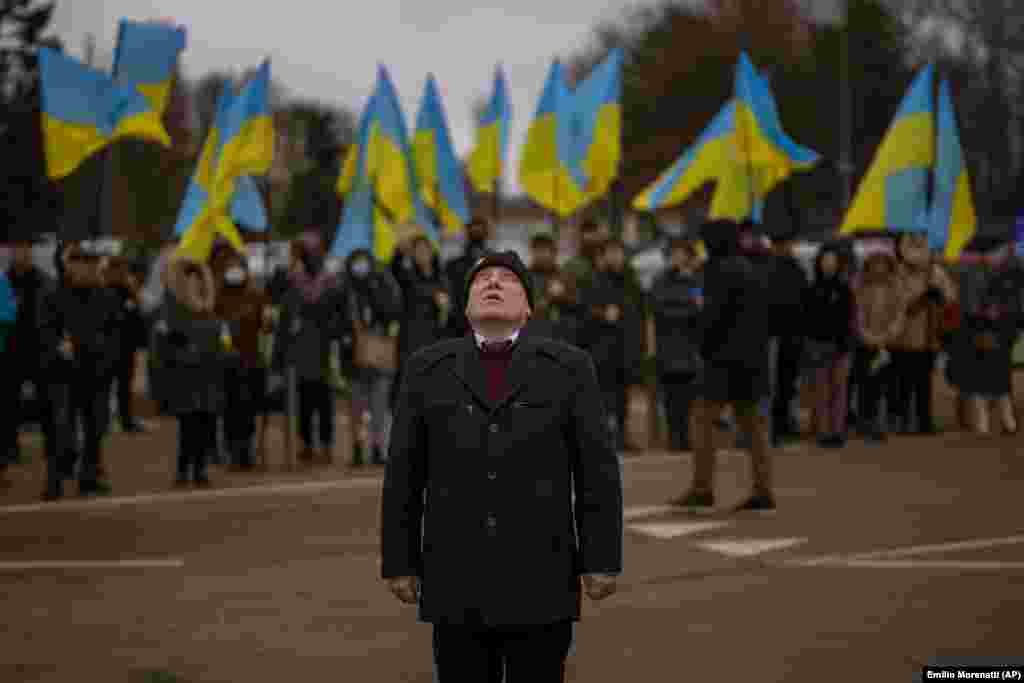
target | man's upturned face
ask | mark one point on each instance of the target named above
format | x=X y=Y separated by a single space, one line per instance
x=497 y=295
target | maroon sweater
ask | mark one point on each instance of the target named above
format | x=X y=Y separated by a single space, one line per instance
x=496 y=366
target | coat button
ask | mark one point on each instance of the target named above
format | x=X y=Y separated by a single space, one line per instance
x=492 y=475
x=492 y=521
x=494 y=429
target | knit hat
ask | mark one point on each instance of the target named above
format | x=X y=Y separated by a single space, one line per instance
x=506 y=259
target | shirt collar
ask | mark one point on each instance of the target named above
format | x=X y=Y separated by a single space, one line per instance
x=480 y=339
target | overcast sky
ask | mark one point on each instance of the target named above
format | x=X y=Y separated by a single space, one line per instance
x=328 y=50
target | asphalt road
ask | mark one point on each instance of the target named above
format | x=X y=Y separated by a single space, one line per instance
x=878 y=560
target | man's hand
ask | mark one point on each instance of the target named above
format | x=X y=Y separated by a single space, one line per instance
x=405 y=588
x=599 y=586
x=612 y=313
x=66 y=348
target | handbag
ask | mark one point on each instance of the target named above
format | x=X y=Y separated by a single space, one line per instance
x=370 y=349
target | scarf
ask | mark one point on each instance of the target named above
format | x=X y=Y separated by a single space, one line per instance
x=313 y=287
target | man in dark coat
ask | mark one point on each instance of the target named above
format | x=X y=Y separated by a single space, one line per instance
x=493 y=436
x=79 y=330
x=735 y=349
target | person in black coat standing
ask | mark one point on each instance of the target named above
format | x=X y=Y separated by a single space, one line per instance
x=735 y=335
x=493 y=436
x=478 y=231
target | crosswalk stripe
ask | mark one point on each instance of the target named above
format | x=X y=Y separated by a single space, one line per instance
x=667 y=530
x=750 y=546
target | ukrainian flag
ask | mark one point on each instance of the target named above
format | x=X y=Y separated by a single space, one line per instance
x=145 y=58
x=247 y=207
x=379 y=180
x=439 y=173
x=240 y=144
x=700 y=164
x=761 y=155
x=893 y=194
x=546 y=170
x=596 y=115
x=83 y=110
x=487 y=160
x=953 y=220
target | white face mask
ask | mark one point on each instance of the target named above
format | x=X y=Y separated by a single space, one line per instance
x=234 y=276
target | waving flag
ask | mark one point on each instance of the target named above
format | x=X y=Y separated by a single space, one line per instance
x=487 y=160
x=241 y=144
x=893 y=193
x=700 y=164
x=379 y=180
x=145 y=58
x=546 y=169
x=596 y=124
x=437 y=167
x=953 y=219
x=83 y=110
x=247 y=209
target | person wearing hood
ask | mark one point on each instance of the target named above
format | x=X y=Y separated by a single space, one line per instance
x=880 y=312
x=79 y=329
x=613 y=333
x=373 y=306
x=191 y=345
x=20 y=359
x=244 y=309
x=676 y=299
x=735 y=349
x=478 y=232
x=829 y=311
x=927 y=287
x=310 y=322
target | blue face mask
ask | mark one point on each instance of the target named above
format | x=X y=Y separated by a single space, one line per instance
x=361 y=268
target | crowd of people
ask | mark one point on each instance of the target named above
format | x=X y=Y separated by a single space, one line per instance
x=737 y=330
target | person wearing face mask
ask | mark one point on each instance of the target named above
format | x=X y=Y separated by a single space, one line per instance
x=675 y=301
x=243 y=309
x=478 y=231
x=190 y=343
x=373 y=305
x=79 y=327
x=613 y=332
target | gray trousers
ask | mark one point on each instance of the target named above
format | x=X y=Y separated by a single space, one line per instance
x=371 y=397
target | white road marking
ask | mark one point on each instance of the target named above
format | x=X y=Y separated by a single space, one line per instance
x=639 y=511
x=907 y=564
x=667 y=530
x=185 y=496
x=751 y=546
x=976 y=544
x=175 y=563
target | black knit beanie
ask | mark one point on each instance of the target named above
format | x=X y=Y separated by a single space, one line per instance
x=507 y=259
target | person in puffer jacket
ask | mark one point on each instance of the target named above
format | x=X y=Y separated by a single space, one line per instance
x=189 y=341
x=675 y=301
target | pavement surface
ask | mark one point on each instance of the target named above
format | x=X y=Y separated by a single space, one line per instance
x=878 y=561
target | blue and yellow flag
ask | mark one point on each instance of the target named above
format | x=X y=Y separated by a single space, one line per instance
x=379 y=180
x=486 y=163
x=700 y=164
x=247 y=208
x=761 y=155
x=241 y=144
x=439 y=173
x=953 y=219
x=145 y=58
x=83 y=110
x=596 y=126
x=893 y=194
x=546 y=169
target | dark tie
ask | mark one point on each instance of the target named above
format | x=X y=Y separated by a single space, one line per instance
x=496 y=347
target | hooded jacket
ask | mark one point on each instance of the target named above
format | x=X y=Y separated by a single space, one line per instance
x=880 y=304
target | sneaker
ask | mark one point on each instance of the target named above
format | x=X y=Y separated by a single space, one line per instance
x=695 y=500
x=758 y=503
